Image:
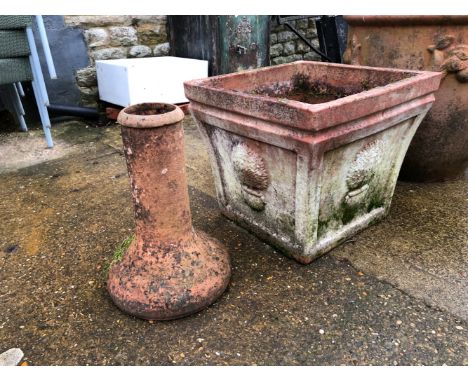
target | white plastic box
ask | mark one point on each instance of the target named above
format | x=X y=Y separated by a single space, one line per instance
x=129 y=81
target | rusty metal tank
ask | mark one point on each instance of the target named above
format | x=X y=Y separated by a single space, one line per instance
x=439 y=150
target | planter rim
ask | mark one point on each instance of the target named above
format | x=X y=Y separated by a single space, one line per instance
x=406 y=20
x=133 y=116
x=318 y=115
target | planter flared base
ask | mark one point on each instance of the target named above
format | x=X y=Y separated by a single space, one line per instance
x=170 y=281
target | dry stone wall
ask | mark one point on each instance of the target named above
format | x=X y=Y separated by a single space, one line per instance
x=112 y=37
x=286 y=47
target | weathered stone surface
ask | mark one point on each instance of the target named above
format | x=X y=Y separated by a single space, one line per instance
x=140 y=51
x=278 y=60
x=109 y=53
x=97 y=21
x=257 y=173
x=302 y=47
x=276 y=50
x=96 y=37
x=89 y=96
x=312 y=56
x=289 y=48
x=273 y=38
x=161 y=50
x=311 y=33
x=148 y=19
x=91 y=91
x=86 y=77
x=286 y=59
x=278 y=28
x=11 y=357
x=152 y=34
x=286 y=36
x=122 y=36
x=302 y=24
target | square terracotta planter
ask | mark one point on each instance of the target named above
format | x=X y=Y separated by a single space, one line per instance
x=305 y=155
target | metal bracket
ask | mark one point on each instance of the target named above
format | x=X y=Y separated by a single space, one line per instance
x=330 y=35
x=241 y=49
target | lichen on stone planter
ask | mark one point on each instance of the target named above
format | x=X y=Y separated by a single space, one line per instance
x=307 y=154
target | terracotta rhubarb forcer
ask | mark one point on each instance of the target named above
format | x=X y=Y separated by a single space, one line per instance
x=439 y=150
x=170 y=270
x=307 y=154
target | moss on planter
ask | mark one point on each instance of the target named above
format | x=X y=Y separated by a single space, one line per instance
x=377 y=200
x=118 y=254
x=346 y=213
x=287 y=222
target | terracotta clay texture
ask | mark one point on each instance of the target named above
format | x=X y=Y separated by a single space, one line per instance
x=169 y=270
x=307 y=154
x=439 y=150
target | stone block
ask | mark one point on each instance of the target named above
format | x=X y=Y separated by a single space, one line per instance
x=141 y=19
x=86 y=77
x=89 y=95
x=96 y=37
x=109 y=53
x=278 y=28
x=140 y=51
x=273 y=38
x=311 y=33
x=152 y=34
x=286 y=36
x=91 y=91
x=302 y=24
x=302 y=47
x=122 y=36
x=276 y=50
x=287 y=59
x=312 y=56
x=161 y=50
x=289 y=48
x=278 y=61
x=97 y=21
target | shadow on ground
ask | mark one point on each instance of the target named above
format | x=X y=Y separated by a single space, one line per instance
x=62 y=219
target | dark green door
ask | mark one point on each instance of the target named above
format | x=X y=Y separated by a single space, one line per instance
x=244 y=42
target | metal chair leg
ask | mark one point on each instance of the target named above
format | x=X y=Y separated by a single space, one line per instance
x=40 y=91
x=36 y=66
x=18 y=106
x=13 y=104
x=43 y=113
x=46 y=47
x=19 y=87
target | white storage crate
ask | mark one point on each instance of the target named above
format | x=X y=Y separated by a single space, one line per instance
x=129 y=81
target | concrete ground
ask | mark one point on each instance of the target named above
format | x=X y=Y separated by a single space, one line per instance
x=396 y=294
